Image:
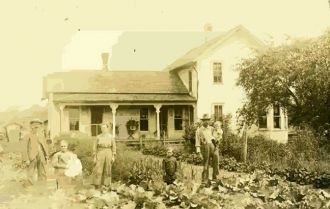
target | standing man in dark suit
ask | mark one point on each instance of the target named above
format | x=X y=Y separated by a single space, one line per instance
x=209 y=150
x=37 y=152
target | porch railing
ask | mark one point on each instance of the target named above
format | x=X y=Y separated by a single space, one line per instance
x=141 y=143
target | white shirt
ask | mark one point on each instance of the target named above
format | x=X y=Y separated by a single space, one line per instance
x=206 y=134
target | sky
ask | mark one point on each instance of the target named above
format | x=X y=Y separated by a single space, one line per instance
x=39 y=37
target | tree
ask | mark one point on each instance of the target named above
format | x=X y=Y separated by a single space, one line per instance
x=296 y=76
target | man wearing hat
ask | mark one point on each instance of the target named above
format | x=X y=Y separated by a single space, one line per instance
x=37 y=151
x=208 y=149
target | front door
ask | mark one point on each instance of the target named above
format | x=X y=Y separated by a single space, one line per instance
x=96 y=119
x=163 y=117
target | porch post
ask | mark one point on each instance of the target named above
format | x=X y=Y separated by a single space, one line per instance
x=114 y=110
x=62 y=106
x=158 y=106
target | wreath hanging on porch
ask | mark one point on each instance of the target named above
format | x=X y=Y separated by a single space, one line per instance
x=132 y=126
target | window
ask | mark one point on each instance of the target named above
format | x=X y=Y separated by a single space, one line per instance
x=144 y=122
x=217 y=72
x=96 y=119
x=178 y=118
x=74 y=115
x=218 y=113
x=277 y=116
x=190 y=81
x=263 y=120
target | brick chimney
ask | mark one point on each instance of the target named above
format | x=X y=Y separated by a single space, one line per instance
x=105 y=59
x=207 y=29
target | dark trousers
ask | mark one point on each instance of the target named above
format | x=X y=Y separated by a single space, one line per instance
x=210 y=157
x=38 y=164
x=169 y=179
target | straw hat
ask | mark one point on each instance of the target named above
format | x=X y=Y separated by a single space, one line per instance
x=36 y=120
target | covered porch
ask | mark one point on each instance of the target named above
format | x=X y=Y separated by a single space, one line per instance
x=156 y=119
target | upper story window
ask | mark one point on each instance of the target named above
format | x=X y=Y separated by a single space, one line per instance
x=217 y=72
x=277 y=116
x=190 y=81
x=144 y=122
x=74 y=116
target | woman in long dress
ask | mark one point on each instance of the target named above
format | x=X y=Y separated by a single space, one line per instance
x=63 y=161
x=104 y=151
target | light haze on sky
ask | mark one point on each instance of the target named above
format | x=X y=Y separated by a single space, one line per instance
x=39 y=37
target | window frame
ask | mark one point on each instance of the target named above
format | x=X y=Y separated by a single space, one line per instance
x=75 y=119
x=264 y=117
x=214 y=76
x=176 y=119
x=214 y=112
x=286 y=119
x=144 y=119
x=277 y=116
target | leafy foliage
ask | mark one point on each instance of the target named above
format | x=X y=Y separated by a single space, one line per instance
x=157 y=150
x=132 y=126
x=261 y=186
x=179 y=154
x=231 y=144
x=144 y=171
x=189 y=137
x=296 y=76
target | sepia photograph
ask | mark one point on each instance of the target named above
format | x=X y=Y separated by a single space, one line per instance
x=156 y=104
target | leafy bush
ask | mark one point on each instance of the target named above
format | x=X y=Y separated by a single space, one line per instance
x=180 y=154
x=262 y=149
x=157 y=150
x=145 y=170
x=124 y=162
x=303 y=148
x=189 y=137
x=305 y=145
x=231 y=144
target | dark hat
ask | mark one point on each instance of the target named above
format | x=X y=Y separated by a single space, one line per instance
x=36 y=120
x=205 y=117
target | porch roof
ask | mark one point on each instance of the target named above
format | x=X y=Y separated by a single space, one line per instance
x=124 y=97
x=114 y=82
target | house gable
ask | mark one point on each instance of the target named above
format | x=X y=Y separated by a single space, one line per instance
x=204 y=50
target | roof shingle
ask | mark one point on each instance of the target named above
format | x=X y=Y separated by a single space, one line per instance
x=92 y=97
x=97 y=81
